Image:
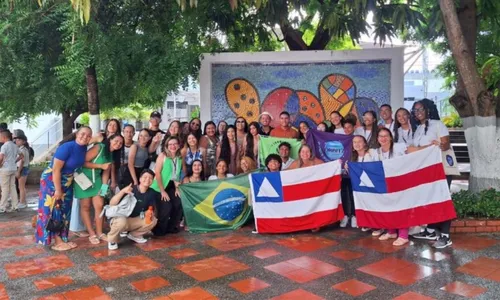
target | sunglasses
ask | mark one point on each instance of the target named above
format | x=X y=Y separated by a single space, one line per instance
x=195 y=124
x=240 y=122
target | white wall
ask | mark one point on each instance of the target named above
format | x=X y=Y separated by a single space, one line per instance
x=394 y=54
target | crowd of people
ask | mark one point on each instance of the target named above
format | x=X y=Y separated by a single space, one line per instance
x=89 y=168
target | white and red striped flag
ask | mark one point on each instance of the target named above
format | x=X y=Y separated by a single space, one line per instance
x=402 y=192
x=295 y=200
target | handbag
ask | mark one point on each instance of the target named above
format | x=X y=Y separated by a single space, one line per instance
x=449 y=160
x=82 y=180
x=54 y=225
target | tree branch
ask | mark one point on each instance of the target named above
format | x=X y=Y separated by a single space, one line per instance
x=293 y=38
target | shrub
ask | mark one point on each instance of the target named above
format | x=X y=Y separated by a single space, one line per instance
x=452 y=121
x=485 y=204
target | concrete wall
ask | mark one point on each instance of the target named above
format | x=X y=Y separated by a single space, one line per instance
x=309 y=84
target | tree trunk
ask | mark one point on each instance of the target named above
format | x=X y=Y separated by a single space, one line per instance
x=93 y=99
x=473 y=102
x=69 y=117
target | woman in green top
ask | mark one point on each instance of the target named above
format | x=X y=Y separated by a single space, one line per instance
x=97 y=168
x=167 y=179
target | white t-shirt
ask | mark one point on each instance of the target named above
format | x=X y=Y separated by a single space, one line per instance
x=405 y=136
x=361 y=131
x=398 y=150
x=390 y=126
x=366 y=158
x=435 y=131
x=339 y=131
x=214 y=177
x=10 y=152
x=286 y=165
x=26 y=152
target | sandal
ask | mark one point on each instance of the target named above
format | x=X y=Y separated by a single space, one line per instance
x=103 y=237
x=387 y=236
x=81 y=234
x=72 y=245
x=61 y=247
x=94 y=240
x=400 y=242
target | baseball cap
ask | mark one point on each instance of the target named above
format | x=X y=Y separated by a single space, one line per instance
x=265 y=113
x=155 y=114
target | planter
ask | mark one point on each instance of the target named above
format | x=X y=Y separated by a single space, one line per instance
x=475 y=225
x=34 y=175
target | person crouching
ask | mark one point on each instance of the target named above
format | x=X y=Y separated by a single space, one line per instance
x=141 y=220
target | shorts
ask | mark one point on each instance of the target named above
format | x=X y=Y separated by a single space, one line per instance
x=25 y=171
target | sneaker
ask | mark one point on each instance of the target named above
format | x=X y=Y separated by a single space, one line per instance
x=354 y=222
x=254 y=230
x=2 y=211
x=139 y=240
x=377 y=232
x=21 y=206
x=123 y=234
x=425 y=235
x=442 y=242
x=344 y=221
x=112 y=246
x=365 y=229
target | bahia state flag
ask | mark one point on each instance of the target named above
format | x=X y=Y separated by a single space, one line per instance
x=298 y=199
x=269 y=145
x=217 y=204
x=402 y=192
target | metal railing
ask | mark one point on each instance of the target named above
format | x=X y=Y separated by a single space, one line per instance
x=50 y=136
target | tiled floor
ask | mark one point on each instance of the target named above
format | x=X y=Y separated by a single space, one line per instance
x=332 y=264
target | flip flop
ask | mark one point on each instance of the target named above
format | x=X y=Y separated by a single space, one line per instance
x=61 y=247
x=81 y=233
x=72 y=245
x=94 y=240
x=103 y=237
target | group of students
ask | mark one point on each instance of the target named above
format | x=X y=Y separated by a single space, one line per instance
x=153 y=167
x=15 y=156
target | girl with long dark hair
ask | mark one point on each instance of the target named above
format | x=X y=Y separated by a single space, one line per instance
x=241 y=126
x=221 y=128
x=369 y=129
x=303 y=129
x=191 y=152
x=222 y=171
x=228 y=150
x=195 y=174
x=251 y=143
x=403 y=133
x=195 y=127
x=97 y=168
x=209 y=141
x=337 y=121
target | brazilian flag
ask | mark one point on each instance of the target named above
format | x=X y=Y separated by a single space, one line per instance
x=270 y=145
x=217 y=204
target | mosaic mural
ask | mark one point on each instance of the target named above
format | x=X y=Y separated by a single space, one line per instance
x=309 y=92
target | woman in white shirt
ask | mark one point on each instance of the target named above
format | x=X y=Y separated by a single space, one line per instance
x=388 y=150
x=431 y=132
x=221 y=171
x=403 y=133
x=337 y=122
x=369 y=129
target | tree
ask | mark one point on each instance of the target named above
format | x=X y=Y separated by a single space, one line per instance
x=476 y=104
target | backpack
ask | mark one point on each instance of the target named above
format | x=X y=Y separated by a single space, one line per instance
x=32 y=153
x=122 y=209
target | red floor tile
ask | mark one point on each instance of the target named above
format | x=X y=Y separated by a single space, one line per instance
x=124 y=267
x=343 y=233
x=53 y=297
x=306 y=243
x=249 y=285
x=104 y=253
x=398 y=271
x=483 y=267
x=84 y=243
x=196 y=293
x=183 y=253
x=12 y=242
x=347 y=254
x=162 y=243
x=302 y=276
x=150 y=284
x=3 y=292
x=303 y=269
x=354 y=287
x=211 y=268
x=412 y=296
x=37 y=266
x=30 y=251
x=299 y=294
x=265 y=253
x=233 y=242
x=463 y=289
x=13 y=232
x=14 y=224
x=92 y=292
x=48 y=283
x=471 y=242
x=374 y=243
x=433 y=255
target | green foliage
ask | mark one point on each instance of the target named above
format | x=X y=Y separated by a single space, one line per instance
x=452 y=121
x=485 y=204
x=85 y=119
x=491 y=73
x=195 y=113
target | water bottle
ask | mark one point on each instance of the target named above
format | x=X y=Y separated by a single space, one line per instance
x=149 y=216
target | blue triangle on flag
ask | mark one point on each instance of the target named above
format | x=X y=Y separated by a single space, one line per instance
x=368 y=177
x=267 y=187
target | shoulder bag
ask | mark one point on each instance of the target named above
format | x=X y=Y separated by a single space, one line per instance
x=82 y=180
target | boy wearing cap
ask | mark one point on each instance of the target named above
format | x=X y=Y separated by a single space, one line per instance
x=22 y=168
x=265 y=119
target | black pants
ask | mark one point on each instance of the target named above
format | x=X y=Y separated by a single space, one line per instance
x=443 y=227
x=169 y=213
x=347 y=197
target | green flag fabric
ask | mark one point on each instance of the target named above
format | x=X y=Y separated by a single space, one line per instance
x=269 y=145
x=216 y=204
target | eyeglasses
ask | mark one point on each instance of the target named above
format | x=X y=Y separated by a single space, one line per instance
x=195 y=124
x=418 y=110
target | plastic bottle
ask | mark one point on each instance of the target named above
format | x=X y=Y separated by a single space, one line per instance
x=149 y=215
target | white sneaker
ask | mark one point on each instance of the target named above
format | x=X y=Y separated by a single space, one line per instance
x=344 y=221
x=22 y=205
x=112 y=246
x=354 y=222
x=139 y=240
x=123 y=234
x=365 y=229
x=2 y=211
